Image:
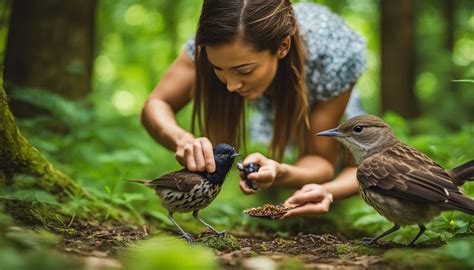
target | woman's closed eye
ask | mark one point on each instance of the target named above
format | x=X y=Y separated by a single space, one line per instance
x=244 y=72
x=240 y=72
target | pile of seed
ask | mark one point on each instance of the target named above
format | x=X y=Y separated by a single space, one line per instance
x=268 y=210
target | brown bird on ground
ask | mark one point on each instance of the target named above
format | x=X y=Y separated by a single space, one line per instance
x=184 y=191
x=401 y=183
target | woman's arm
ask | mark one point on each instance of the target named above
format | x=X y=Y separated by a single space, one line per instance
x=172 y=93
x=315 y=168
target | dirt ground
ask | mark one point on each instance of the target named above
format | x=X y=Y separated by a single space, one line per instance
x=99 y=247
x=312 y=251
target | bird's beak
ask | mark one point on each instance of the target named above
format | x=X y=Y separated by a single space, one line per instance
x=331 y=133
x=235 y=155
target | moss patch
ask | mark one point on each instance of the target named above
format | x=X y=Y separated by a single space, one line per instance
x=360 y=249
x=225 y=242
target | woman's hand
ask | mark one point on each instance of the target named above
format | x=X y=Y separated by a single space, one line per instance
x=312 y=200
x=196 y=154
x=268 y=172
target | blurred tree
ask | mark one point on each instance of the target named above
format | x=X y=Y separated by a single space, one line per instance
x=398 y=57
x=4 y=17
x=449 y=10
x=50 y=46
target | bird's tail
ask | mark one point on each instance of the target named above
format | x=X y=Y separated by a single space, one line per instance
x=461 y=203
x=463 y=173
x=140 y=181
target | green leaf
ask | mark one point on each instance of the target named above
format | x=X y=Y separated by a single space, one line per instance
x=169 y=253
x=45 y=197
x=369 y=219
x=129 y=197
x=469 y=81
x=159 y=216
x=31 y=195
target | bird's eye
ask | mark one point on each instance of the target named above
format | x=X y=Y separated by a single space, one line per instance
x=357 y=129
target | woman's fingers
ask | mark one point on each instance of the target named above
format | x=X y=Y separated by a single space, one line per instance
x=189 y=156
x=263 y=175
x=314 y=195
x=309 y=187
x=310 y=209
x=253 y=158
x=199 y=156
x=208 y=155
x=246 y=190
x=203 y=155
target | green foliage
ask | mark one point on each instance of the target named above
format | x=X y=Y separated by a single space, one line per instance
x=29 y=195
x=64 y=112
x=455 y=255
x=169 y=253
x=468 y=81
x=29 y=249
x=460 y=249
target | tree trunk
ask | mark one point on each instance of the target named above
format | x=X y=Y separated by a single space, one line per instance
x=50 y=46
x=398 y=57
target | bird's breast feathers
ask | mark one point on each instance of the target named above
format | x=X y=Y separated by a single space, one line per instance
x=398 y=211
x=198 y=197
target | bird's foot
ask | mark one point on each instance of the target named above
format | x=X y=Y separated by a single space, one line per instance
x=369 y=241
x=220 y=233
x=189 y=238
x=217 y=232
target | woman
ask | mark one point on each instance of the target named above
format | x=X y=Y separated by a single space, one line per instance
x=297 y=67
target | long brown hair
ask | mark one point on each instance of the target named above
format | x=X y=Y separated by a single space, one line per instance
x=265 y=24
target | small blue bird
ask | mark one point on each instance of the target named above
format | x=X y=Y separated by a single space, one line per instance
x=185 y=191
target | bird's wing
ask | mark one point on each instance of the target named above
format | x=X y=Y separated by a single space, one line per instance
x=405 y=173
x=182 y=180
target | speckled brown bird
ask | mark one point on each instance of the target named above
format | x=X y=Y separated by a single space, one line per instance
x=401 y=183
x=184 y=191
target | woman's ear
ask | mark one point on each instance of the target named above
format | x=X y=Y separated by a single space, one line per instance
x=284 y=48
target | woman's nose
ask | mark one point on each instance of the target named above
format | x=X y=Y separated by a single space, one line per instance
x=233 y=84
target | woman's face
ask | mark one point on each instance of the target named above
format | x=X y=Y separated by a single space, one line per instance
x=242 y=69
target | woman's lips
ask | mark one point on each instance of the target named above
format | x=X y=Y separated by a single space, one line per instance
x=244 y=93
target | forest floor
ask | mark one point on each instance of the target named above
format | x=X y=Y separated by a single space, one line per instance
x=100 y=248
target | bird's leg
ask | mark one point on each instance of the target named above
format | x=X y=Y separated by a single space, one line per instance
x=422 y=230
x=368 y=241
x=195 y=214
x=186 y=235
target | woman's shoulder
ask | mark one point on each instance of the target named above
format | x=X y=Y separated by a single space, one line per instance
x=316 y=19
x=335 y=53
x=324 y=32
